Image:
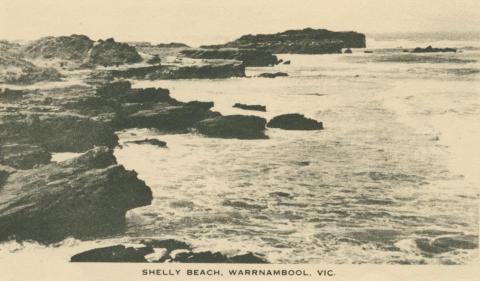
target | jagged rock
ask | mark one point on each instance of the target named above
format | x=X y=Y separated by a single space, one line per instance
x=118 y=253
x=23 y=156
x=73 y=47
x=60 y=133
x=153 y=142
x=109 y=52
x=255 y=107
x=430 y=49
x=250 y=57
x=273 y=75
x=306 y=41
x=294 y=121
x=81 y=197
x=233 y=126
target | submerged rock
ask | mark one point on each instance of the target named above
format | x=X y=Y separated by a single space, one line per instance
x=81 y=197
x=273 y=75
x=233 y=126
x=255 y=107
x=153 y=142
x=294 y=121
x=250 y=57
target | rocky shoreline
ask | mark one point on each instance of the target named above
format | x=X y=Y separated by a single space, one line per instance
x=87 y=197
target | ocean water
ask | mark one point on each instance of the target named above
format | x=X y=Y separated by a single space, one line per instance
x=398 y=161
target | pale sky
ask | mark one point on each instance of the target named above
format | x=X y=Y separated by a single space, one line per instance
x=216 y=21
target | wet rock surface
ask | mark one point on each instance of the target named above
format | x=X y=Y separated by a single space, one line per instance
x=153 y=142
x=233 y=126
x=294 y=121
x=146 y=250
x=57 y=200
x=430 y=49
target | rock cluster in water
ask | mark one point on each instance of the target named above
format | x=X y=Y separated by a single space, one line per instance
x=250 y=57
x=306 y=41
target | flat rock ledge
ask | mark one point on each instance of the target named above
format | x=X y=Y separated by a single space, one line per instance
x=160 y=251
x=83 y=197
x=233 y=126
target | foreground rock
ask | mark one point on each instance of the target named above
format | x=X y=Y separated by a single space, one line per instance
x=306 y=41
x=430 y=49
x=85 y=196
x=23 y=155
x=294 y=121
x=218 y=69
x=147 y=252
x=250 y=57
x=255 y=107
x=233 y=126
x=273 y=75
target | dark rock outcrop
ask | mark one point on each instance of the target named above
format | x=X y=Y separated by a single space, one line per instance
x=294 y=121
x=250 y=57
x=118 y=253
x=81 y=197
x=172 y=45
x=430 y=49
x=59 y=133
x=212 y=70
x=153 y=142
x=233 y=126
x=447 y=243
x=287 y=62
x=273 y=75
x=306 y=41
x=73 y=47
x=348 y=51
x=109 y=52
x=121 y=253
x=255 y=107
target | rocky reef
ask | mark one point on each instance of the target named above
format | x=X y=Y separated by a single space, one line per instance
x=250 y=57
x=306 y=41
x=430 y=49
x=272 y=75
x=85 y=196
